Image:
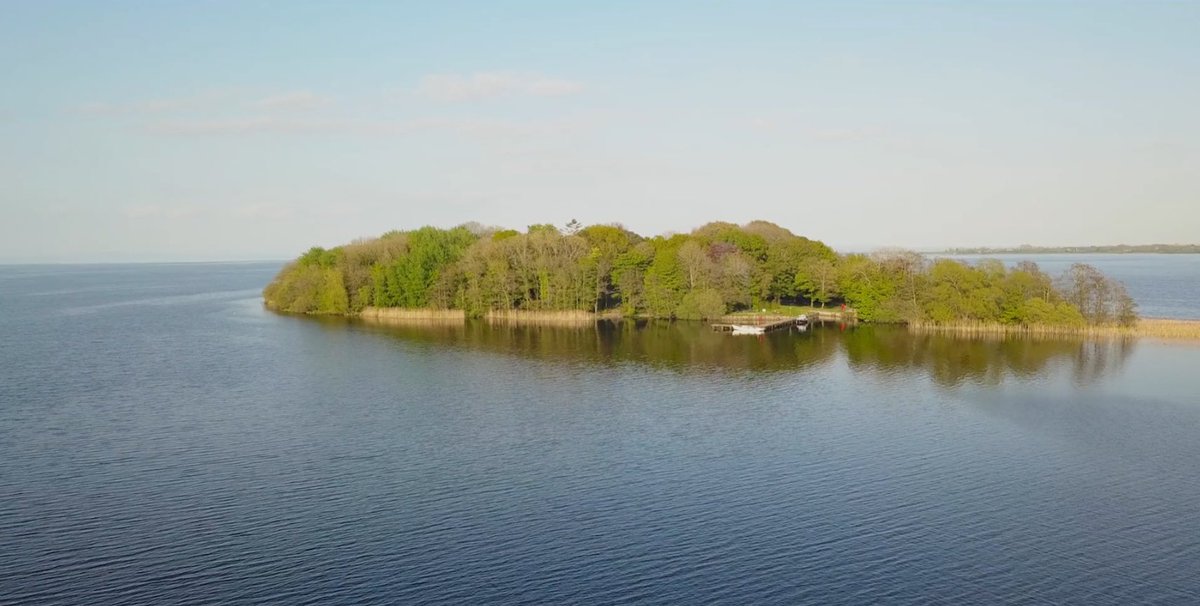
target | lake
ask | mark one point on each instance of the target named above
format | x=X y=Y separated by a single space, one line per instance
x=164 y=440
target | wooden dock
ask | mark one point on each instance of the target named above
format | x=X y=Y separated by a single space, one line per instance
x=747 y=324
x=770 y=326
x=840 y=317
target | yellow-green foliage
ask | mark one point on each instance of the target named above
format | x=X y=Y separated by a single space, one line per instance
x=717 y=268
x=703 y=304
x=308 y=289
x=902 y=286
x=1038 y=311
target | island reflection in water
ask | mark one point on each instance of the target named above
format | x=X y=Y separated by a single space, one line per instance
x=948 y=360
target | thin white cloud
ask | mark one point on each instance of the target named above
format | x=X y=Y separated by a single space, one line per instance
x=293 y=101
x=554 y=87
x=142 y=211
x=474 y=128
x=200 y=101
x=156 y=211
x=845 y=134
x=762 y=123
x=487 y=85
x=273 y=212
x=99 y=109
x=797 y=127
x=209 y=101
x=251 y=210
x=249 y=126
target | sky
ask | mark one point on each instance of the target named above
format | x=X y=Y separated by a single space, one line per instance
x=169 y=131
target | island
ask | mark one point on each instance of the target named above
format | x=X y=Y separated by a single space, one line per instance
x=549 y=272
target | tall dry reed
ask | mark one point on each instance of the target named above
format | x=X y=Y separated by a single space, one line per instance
x=541 y=318
x=1147 y=327
x=400 y=315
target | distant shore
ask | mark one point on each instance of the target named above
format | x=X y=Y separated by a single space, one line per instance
x=1160 y=249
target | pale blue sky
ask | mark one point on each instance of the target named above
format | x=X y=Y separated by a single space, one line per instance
x=229 y=130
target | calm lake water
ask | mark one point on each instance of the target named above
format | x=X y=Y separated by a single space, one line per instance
x=164 y=440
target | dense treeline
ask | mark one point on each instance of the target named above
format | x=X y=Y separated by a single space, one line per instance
x=717 y=268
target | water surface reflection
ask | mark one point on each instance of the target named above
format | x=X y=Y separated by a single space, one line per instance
x=947 y=360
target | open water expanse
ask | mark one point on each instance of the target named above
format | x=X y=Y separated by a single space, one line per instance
x=164 y=440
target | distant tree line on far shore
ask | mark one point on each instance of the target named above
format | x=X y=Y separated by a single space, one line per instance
x=1053 y=250
x=715 y=269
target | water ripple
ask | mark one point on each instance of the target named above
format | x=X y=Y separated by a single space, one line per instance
x=191 y=448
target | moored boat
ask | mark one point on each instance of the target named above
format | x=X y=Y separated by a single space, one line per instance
x=748 y=329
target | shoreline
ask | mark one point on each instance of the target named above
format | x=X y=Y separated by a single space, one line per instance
x=1149 y=328
x=399 y=315
x=1152 y=328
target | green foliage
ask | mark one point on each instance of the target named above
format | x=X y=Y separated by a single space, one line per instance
x=1038 y=311
x=816 y=279
x=607 y=243
x=717 y=268
x=629 y=276
x=956 y=291
x=308 y=289
x=543 y=228
x=664 y=282
x=869 y=288
x=318 y=257
x=407 y=280
x=703 y=304
x=896 y=287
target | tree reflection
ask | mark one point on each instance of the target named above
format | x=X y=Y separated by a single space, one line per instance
x=986 y=360
x=948 y=360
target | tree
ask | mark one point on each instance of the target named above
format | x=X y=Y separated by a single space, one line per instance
x=629 y=276
x=665 y=281
x=697 y=266
x=703 y=304
x=817 y=280
x=717 y=267
x=734 y=272
x=958 y=291
x=608 y=243
x=1099 y=299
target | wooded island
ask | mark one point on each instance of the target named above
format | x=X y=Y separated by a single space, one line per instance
x=715 y=269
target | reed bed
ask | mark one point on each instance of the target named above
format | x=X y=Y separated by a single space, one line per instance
x=541 y=318
x=1168 y=329
x=1147 y=327
x=397 y=315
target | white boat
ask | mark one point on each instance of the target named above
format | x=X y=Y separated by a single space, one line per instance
x=747 y=329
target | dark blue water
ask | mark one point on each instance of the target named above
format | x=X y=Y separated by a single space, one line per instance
x=1164 y=286
x=163 y=440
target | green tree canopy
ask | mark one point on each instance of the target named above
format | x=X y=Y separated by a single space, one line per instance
x=716 y=268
